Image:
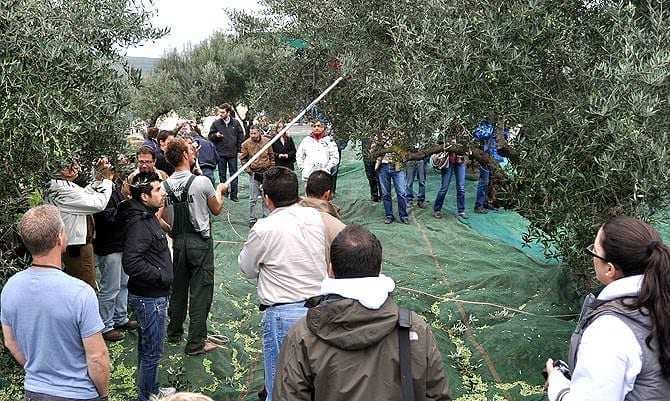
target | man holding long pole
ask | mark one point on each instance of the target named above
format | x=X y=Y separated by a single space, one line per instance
x=190 y=200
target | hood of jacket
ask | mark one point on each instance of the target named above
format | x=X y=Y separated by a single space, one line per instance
x=348 y=325
x=130 y=210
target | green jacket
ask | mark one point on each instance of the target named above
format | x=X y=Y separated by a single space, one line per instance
x=342 y=351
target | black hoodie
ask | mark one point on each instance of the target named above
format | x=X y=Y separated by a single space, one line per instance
x=146 y=256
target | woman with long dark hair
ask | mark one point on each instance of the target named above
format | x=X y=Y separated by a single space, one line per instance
x=621 y=347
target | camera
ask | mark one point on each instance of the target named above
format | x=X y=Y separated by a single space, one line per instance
x=562 y=367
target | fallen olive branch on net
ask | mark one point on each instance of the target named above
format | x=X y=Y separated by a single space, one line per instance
x=516 y=310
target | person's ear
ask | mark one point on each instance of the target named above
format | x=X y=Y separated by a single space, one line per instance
x=62 y=240
x=328 y=195
x=612 y=272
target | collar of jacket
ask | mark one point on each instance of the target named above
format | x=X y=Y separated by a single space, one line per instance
x=147 y=211
x=623 y=287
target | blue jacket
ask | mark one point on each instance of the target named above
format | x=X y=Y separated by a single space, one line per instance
x=208 y=157
x=486 y=134
x=153 y=145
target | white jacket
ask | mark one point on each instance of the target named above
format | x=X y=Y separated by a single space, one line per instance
x=75 y=203
x=313 y=155
x=609 y=357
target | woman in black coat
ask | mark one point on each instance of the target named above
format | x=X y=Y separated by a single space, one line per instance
x=284 y=149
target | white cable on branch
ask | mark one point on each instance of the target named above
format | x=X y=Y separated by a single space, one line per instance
x=280 y=133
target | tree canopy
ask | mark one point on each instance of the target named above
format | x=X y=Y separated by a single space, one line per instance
x=64 y=88
x=587 y=80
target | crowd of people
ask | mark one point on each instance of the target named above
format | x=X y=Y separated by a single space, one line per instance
x=330 y=327
x=389 y=172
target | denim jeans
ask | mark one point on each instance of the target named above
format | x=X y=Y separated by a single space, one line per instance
x=482 y=187
x=277 y=321
x=151 y=316
x=388 y=173
x=225 y=164
x=255 y=196
x=113 y=295
x=416 y=169
x=457 y=170
x=209 y=173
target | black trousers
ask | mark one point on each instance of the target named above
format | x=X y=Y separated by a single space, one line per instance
x=373 y=180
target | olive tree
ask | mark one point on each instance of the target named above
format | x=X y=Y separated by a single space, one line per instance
x=587 y=80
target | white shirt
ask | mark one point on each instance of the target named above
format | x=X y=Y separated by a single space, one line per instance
x=285 y=252
x=609 y=357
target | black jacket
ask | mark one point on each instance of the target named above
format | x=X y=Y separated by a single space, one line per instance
x=287 y=148
x=108 y=235
x=163 y=165
x=230 y=143
x=146 y=257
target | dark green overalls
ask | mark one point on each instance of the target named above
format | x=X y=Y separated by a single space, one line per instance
x=193 y=264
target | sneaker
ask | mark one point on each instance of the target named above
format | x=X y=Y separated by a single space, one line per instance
x=207 y=347
x=234 y=199
x=437 y=215
x=462 y=215
x=375 y=198
x=218 y=339
x=129 y=326
x=421 y=204
x=113 y=335
x=481 y=210
x=490 y=207
x=404 y=220
x=388 y=220
x=251 y=224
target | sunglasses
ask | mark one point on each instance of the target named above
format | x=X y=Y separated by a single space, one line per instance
x=589 y=251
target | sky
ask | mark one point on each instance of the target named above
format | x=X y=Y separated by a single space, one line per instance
x=190 y=21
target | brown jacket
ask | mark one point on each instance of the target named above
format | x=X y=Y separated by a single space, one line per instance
x=343 y=351
x=250 y=148
x=321 y=205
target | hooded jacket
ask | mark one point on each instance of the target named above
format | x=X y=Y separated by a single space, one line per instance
x=317 y=154
x=146 y=257
x=343 y=351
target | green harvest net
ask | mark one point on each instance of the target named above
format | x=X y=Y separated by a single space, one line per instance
x=489 y=352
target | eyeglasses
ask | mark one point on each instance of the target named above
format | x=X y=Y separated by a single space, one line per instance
x=589 y=251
